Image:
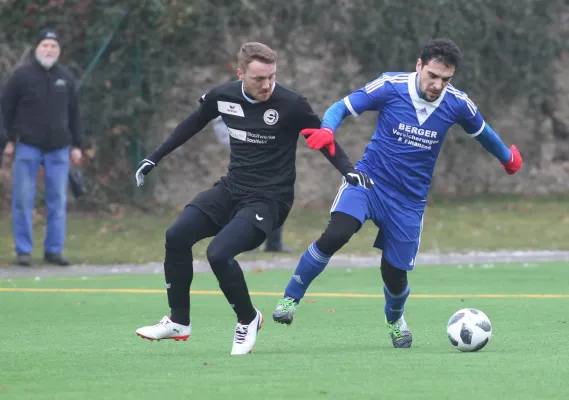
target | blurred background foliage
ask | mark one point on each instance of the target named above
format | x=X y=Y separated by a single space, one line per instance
x=127 y=53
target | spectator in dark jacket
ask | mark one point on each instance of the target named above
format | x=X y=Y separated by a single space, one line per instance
x=41 y=116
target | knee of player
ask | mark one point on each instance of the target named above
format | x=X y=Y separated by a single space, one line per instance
x=395 y=279
x=216 y=255
x=175 y=239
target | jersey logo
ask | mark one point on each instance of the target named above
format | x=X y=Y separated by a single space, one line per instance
x=225 y=107
x=271 y=117
x=237 y=134
x=422 y=110
x=250 y=137
x=417 y=137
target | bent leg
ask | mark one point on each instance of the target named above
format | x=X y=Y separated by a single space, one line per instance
x=191 y=226
x=235 y=238
x=350 y=209
x=312 y=263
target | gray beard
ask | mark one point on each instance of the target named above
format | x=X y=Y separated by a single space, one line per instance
x=47 y=63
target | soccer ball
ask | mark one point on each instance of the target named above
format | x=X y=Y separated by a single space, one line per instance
x=469 y=329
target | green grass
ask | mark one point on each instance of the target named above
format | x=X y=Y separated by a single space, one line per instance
x=476 y=224
x=82 y=345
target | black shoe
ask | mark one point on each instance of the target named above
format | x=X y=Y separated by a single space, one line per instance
x=25 y=260
x=56 y=259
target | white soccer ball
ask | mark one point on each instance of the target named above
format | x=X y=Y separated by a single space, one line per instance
x=469 y=329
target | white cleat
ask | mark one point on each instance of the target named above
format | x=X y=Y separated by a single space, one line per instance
x=246 y=336
x=165 y=329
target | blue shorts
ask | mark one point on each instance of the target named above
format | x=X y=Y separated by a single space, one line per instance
x=400 y=224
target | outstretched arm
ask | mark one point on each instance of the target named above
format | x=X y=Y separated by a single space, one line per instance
x=475 y=126
x=493 y=144
x=339 y=160
x=334 y=115
x=342 y=163
x=322 y=137
x=308 y=123
x=370 y=97
x=188 y=127
x=181 y=134
x=510 y=158
x=332 y=150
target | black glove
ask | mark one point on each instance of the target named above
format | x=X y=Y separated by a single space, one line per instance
x=143 y=168
x=356 y=178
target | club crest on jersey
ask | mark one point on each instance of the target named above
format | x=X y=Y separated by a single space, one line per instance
x=271 y=117
x=225 y=107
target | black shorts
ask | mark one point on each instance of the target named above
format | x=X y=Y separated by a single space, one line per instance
x=222 y=205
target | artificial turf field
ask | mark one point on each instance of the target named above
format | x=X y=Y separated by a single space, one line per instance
x=73 y=338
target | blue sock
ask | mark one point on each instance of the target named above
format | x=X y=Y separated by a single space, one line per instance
x=311 y=264
x=395 y=304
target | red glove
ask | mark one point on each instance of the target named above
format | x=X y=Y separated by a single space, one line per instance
x=515 y=162
x=319 y=138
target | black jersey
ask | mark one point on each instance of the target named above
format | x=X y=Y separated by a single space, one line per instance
x=263 y=137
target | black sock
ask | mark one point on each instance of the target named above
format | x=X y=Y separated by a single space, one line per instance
x=179 y=273
x=180 y=316
x=235 y=289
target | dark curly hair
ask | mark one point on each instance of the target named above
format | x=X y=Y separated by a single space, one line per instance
x=441 y=50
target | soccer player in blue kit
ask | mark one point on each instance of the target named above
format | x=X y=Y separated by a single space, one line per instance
x=415 y=111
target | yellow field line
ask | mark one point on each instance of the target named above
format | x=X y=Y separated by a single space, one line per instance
x=278 y=294
x=90 y=279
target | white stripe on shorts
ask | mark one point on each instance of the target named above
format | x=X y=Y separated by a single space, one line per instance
x=419 y=243
x=337 y=199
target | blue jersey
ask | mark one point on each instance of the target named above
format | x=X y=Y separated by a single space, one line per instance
x=410 y=131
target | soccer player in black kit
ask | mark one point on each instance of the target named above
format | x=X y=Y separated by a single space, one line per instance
x=254 y=198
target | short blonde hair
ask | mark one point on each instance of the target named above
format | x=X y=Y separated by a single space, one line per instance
x=255 y=51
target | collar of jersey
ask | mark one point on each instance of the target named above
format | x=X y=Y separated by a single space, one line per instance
x=250 y=100
x=414 y=91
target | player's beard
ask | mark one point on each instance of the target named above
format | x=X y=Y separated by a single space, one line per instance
x=430 y=96
x=46 y=62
